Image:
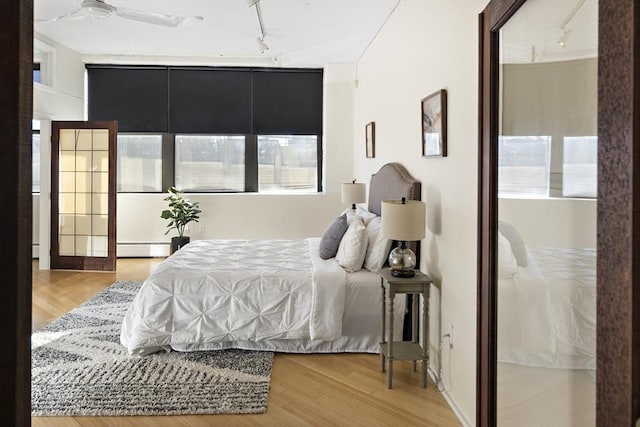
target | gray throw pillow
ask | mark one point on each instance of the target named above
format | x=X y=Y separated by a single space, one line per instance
x=518 y=247
x=332 y=236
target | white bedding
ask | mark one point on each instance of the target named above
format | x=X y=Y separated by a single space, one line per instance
x=546 y=310
x=274 y=295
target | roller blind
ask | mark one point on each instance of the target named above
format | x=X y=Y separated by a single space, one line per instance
x=207 y=99
x=135 y=97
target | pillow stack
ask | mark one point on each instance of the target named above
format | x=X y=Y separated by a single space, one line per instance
x=355 y=240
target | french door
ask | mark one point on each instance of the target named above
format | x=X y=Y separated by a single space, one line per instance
x=83 y=195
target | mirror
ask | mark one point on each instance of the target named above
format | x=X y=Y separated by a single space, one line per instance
x=546 y=237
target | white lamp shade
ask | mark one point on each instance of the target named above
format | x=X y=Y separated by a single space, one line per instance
x=404 y=222
x=353 y=192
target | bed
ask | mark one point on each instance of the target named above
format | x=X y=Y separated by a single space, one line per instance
x=275 y=295
x=546 y=304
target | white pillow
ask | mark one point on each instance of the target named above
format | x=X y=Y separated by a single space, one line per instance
x=378 y=247
x=353 y=246
x=507 y=264
x=362 y=213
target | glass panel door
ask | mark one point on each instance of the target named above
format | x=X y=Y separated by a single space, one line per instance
x=83 y=195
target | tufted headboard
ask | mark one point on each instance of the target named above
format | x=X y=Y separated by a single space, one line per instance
x=392 y=182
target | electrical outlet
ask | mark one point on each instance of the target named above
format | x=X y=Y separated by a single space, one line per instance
x=450 y=332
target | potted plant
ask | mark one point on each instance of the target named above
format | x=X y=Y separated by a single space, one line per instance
x=181 y=212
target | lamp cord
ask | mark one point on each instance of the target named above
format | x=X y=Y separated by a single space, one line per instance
x=440 y=383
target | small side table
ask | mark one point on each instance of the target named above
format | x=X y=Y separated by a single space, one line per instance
x=391 y=350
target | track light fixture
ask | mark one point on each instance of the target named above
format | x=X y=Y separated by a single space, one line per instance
x=562 y=40
x=566 y=31
x=262 y=46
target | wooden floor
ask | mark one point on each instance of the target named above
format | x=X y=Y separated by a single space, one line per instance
x=306 y=389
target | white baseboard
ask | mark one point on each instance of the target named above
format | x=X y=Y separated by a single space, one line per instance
x=127 y=250
x=142 y=250
x=447 y=397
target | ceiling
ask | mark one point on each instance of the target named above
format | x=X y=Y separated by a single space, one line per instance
x=534 y=33
x=300 y=33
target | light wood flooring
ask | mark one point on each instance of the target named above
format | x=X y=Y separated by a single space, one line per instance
x=306 y=389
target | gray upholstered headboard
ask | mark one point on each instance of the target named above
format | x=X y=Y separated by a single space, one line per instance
x=392 y=182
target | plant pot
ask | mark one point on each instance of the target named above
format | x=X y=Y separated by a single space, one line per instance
x=178 y=242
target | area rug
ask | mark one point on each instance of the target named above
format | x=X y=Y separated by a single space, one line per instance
x=80 y=368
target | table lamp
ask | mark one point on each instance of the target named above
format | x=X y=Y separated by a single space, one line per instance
x=353 y=192
x=404 y=221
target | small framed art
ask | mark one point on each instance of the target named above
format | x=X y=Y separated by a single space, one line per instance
x=370 y=139
x=434 y=124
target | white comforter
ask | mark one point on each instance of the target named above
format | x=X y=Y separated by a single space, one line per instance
x=214 y=291
x=546 y=311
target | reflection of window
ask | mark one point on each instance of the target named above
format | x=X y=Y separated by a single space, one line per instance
x=287 y=162
x=43 y=63
x=523 y=165
x=35 y=156
x=139 y=163
x=580 y=166
x=209 y=162
x=37 y=77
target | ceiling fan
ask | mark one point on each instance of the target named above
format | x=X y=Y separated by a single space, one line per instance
x=101 y=9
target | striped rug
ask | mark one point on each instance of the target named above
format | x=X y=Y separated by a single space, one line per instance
x=80 y=368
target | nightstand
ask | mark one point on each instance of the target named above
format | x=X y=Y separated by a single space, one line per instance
x=391 y=350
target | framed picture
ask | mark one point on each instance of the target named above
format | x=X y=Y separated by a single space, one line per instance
x=434 y=124
x=370 y=139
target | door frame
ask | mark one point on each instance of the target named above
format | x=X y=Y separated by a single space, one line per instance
x=16 y=109
x=618 y=262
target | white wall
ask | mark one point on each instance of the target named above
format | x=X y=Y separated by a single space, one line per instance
x=426 y=46
x=558 y=223
x=64 y=100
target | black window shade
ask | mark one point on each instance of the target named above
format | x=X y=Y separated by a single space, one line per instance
x=207 y=100
x=135 y=97
x=287 y=102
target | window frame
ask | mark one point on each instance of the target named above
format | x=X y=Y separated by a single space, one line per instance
x=251 y=163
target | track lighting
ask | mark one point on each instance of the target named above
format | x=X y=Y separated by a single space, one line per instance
x=566 y=31
x=262 y=46
x=562 y=40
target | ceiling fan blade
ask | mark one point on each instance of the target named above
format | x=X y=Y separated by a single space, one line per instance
x=156 y=18
x=73 y=16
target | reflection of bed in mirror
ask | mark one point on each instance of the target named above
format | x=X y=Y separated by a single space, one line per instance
x=546 y=304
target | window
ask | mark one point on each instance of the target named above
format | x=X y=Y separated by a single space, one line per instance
x=218 y=129
x=580 y=166
x=43 y=64
x=524 y=165
x=35 y=156
x=287 y=162
x=210 y=163
x=139 y=163
x=37 y=75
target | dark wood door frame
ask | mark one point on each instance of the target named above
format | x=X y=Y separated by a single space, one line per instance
x=618 y=276
x=16 y=51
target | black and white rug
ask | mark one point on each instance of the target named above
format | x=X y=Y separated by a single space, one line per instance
x=80 y=368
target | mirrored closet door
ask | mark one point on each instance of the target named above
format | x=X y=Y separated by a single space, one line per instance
x=546 y=237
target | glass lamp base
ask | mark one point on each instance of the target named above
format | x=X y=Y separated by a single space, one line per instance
x=403 y=273
x=402 y=262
